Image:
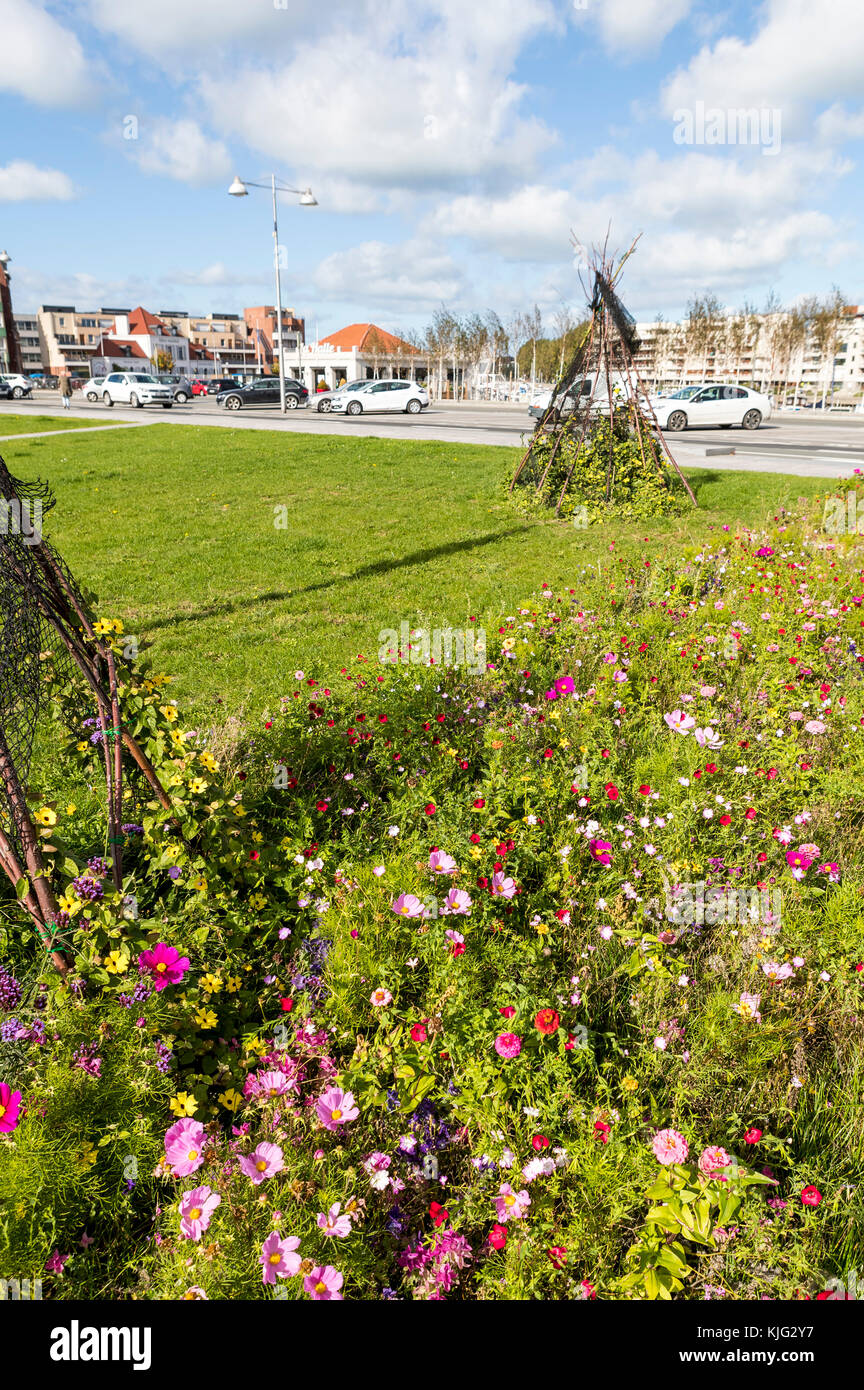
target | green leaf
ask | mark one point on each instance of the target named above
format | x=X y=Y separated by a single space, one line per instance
x=22 y=888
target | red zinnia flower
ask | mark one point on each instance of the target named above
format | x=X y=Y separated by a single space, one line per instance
x=547 y=1022
x=498 y=1237
x=538 y=1142
x=752 y=1136
x=287 y=1005
x=811 y=1196
x=558 y=1256
x=478 y=804
x=429 y=808
x=507 y=1012
x=418 y=1032
x=645 y=790
x=611 y=791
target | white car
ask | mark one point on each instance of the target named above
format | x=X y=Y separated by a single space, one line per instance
x=92 y=389
x=380 y=395
x=136 y=389
x=19 y=385
x=713 y=403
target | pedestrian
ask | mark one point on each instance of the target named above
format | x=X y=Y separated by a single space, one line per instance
x=66 y=390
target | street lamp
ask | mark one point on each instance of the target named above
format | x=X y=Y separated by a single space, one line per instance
x=240 y=189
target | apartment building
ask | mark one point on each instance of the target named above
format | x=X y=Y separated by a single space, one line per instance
x=69 y=340
x=266 y=340
x=224 y=338
x=763 y=351
x=27 y=329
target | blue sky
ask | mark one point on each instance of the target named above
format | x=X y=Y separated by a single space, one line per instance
x=453 y=146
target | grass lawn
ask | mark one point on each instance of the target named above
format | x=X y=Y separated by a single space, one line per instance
x=26 y=424
x=174 y=529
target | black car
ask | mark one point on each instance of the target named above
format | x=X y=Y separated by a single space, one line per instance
x=264 y=391
x=5 y=391
x=221 y=383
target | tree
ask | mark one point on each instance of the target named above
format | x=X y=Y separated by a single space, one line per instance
x=564 y=325
x=704 y=329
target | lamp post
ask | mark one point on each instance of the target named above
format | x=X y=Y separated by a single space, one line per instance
x=240 y=189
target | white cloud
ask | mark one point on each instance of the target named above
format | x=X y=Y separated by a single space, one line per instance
x=42 y=60
x=803 y=52
x=628 y=27
x=22 y=182
x=416 y=275
x=215 y=275
x=180 y=150
x=837 y=125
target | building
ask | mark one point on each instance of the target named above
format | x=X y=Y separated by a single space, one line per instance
x=785 y=355
x=224 y=341
x=27 y=329
x=69 y=340
x=10 y=356
x=266 y=341
x=360 y=350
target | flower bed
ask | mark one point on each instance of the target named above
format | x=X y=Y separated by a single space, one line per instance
x=545 y=982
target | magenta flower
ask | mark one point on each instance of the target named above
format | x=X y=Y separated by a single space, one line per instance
x=323 y=1283
x=407 y=905
x=196 y=1208
x=278 y=1257
x=270 y=1083
x=456 y=904
x=510 y=1205
x=165 y=964
x=54 y=1263
x=670 y=1147
x=10 y=1104
x=508 y=1045
x=441 y=863
x=332 y=1224
x=799 y=858
x=184 y=1143
x=262 y=1163
x=502 y=886
x=601 y=851
x=564 y=685
x=336 y=1108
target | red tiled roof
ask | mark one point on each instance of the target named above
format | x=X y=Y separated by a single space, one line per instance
x=356 y=335
x=141 y=321
x=116 y=347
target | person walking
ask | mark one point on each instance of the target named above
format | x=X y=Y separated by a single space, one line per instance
x=66 y=390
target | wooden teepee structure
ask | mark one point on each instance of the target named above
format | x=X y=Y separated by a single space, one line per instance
x=599 y=384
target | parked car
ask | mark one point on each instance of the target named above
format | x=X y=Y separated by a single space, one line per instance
x=221 y=383
x=92 y=389
x=380 y=395
x=323 y=399
x=713 y=403
x=136 y=389
x=179 y=385
x=5 y=391
x=594 y=389
x=20 y=386
x=264 y=391
x=199 y=388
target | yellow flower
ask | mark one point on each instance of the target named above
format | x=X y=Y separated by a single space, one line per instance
x=258 y=900
x=629 y=1083
x=542 y=928
x=177 y=735
x=200 y=883
x=183 y=1104
x=197 y=785
x=103 y=627
x=205 y=1018
x=71 y=808
x=212 y=983
x=45 y=816
x=82 y=747
x=232 y=984
x=68 y=902
x=116 y=962
x=239 y=810
x=231 y=1099
x=169 y=712
x=88 y=1155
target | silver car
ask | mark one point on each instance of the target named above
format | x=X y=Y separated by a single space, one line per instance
x=324 y=399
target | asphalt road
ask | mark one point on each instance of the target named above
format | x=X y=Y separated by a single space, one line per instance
x=806 y=444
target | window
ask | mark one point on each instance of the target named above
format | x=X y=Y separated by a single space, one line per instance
x=711 y=393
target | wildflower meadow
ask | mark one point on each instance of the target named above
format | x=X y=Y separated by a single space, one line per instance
x=538 y=980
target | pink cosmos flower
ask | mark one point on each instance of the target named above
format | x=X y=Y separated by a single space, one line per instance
x=196 y=1208
x=10 y=1104
x=323 y=1283
x=799 y=858
x=336 y=1108
x=748 y=1007
x=564 y=685
x=332 y=1224
x=601 y=851
x=278 y=1257
x=165 y=964
x=679 y=721
x=706 y=738
x=380 y=998
x=713 y=1160
x=407 y=905
x=510 y=1205
x=184 y=1144
x=777 y=972
x=267 y=1084
x=503 y=886
x=262 y=1163
x=441 y=863
x=456 y=904
x=508 y=1045
x=670 y=1147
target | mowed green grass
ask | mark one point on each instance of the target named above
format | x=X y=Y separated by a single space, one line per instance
x=174 y=529
x=25 y=424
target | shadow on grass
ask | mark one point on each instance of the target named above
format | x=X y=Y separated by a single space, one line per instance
x=418 y=557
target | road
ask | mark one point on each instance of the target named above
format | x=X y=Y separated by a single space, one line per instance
x=829 y=446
